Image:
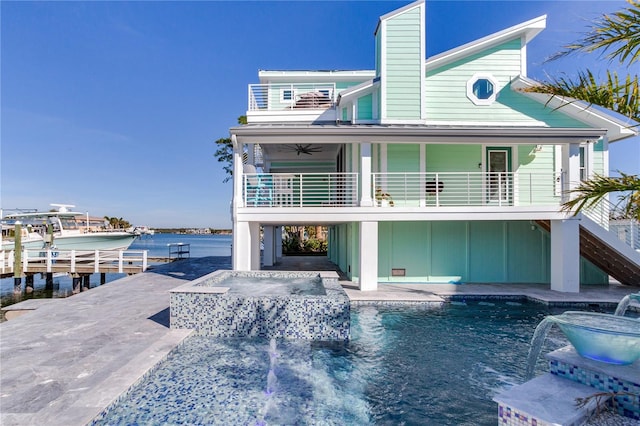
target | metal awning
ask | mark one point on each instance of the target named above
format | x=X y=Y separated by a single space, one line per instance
x=331 y=133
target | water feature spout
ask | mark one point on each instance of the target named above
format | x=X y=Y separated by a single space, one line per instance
x=606 y=338
x=539 y=336
x=625 y=302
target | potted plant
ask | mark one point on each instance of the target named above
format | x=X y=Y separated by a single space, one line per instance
x=383 y=199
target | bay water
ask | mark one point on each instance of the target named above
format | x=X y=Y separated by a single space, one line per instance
x=157 y=246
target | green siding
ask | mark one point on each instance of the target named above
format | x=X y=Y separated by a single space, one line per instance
x=403 y=158
x=344 y=114
x=477 y=251
x=446 y=91
x=403 y=65
x=453 y=158
x=448 y=240
x=365 y=107
x=487 y=248
x=535 y=166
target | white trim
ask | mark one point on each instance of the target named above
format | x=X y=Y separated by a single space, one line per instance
x=403 y=9
x=485 y=123
x=383 y=158
x=605 y=156
x=274 y=76
x=523 y=58
x=557 y=169
x=526 y=31
x=423 y=169
x=616 y=128
x=482 y=76
x=383 y=70
x=287 y=89
x=423 y=55
x=400 y=121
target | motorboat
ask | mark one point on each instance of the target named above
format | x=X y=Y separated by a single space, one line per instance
x=62 y=229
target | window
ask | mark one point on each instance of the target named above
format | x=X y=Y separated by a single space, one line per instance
x=482 y=89
x=287 y=95
x=584 y=172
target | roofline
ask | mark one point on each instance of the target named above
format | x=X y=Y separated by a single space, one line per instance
x=526 y=30
x=397 y=12
x=582 y=111
x=352 y=91
x=338 y=133
x=335 y=75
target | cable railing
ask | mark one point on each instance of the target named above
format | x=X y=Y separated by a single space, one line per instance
x=464 y=189
x=268 y=97
x=300 y=189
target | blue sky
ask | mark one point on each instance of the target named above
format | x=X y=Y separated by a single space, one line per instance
x=115 y=106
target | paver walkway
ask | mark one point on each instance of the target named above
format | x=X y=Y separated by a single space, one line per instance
x=63 y=363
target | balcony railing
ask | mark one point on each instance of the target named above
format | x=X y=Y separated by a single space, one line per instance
x=465 y=189
x=278 y=97
x=447 y=189
x=300 y=190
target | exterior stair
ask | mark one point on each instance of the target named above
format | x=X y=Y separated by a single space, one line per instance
x=606 y=251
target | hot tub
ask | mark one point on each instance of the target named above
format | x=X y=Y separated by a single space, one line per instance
x=273 y=304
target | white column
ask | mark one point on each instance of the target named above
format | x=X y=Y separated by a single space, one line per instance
x=241 y=248
x=237 y=174
x=278 y=242
x=365 y=175
x=268 y=257
x=254 y=231
x=368 y=256
x=565 y=255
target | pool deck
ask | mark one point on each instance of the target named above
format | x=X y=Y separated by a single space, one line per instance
x=65 y=360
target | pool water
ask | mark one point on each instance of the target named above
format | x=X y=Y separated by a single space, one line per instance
x=403 y=365
x=268 y=286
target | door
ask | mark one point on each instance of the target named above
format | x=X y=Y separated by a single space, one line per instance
x=499 y=186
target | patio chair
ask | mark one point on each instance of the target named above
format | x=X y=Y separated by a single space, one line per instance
x=259 y=188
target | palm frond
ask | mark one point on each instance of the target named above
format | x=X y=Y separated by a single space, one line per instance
x=621 y=97
x=618 y=33
x=590 y=192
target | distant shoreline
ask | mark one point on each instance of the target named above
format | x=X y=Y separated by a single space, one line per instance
x=193 y=231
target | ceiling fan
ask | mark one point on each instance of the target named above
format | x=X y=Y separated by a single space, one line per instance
x=308 y=149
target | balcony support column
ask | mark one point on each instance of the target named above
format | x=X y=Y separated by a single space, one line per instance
x=368 y=256
x=269 y=255
x=246 y=246
x=238 y=200
x=565 y=255
x=365 y=175
x=278 y=242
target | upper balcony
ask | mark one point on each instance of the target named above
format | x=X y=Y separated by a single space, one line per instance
x=292 y=102
x=451 y=191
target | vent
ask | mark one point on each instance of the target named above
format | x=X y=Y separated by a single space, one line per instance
x=398 y=272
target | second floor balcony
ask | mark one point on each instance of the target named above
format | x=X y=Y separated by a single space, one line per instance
x=402 y=190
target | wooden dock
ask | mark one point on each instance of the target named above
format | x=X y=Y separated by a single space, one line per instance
x=76 y=262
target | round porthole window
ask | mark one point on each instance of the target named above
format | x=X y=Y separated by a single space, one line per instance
x=482 y=89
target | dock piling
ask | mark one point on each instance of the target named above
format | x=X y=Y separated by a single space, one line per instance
x=48 y=284
x=86 y=282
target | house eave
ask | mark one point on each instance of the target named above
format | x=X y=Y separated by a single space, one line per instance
x=343 y=133
x=579 y=110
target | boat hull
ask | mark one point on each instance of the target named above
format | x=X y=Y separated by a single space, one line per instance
x=97 y=241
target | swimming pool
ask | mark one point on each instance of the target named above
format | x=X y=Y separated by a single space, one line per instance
x=403 y=365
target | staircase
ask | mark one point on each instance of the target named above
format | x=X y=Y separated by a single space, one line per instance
x=606 y=251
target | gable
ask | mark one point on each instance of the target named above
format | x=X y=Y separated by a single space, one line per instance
x=447 y=97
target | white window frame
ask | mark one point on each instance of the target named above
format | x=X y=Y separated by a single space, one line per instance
x=482 y=76
x=293 y=95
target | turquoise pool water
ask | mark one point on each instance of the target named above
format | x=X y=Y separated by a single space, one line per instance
x=404 y=365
